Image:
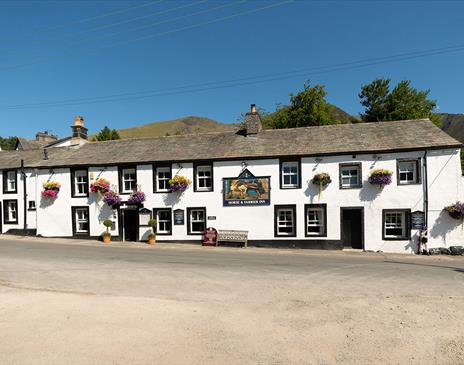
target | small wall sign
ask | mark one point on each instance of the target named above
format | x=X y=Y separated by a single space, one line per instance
x=211 y=217
x=417 y=220
x=179 y=217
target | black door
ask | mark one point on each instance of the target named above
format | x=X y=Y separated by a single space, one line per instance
x=1 y=217
x=352 y=227
x=131 y=224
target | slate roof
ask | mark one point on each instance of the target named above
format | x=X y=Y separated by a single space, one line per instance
x=29 y=144
x=310 y=141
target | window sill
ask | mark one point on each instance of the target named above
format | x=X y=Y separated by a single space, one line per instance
x=396 y=238
x=203 y=190
x=290 y=187
x=7 y=222
x=409 y=183
x=350 y=187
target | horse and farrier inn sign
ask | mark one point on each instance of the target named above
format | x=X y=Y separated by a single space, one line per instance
x=247 y=189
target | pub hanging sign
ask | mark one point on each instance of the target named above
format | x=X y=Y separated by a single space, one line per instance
x=247 y=189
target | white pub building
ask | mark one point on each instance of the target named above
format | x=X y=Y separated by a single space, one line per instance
x=372 y=186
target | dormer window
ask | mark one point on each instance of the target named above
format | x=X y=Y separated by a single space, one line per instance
x=10 y=182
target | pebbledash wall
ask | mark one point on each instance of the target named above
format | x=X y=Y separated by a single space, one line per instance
x=55 y=219
x=441 y=180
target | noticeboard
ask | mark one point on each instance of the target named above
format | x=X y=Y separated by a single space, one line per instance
x=179 y=217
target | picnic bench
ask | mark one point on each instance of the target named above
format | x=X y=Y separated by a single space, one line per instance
x=232 y=236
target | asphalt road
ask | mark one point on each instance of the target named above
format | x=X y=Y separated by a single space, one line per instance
x=71 y=303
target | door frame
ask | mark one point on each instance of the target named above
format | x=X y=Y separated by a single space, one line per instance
x=1 y=218
x=122 y=228
x=342 y=237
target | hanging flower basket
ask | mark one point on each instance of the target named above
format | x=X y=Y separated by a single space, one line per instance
x=136 y=198
x=456 y=211
x=112 y=199
x=322 y=180
x=380 y=177
x=101 y=186
x=51 y=189
x=178 y=184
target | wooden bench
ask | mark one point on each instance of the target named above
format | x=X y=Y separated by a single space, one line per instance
x=232 y=236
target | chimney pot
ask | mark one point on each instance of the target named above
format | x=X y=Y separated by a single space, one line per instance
x=253 y=108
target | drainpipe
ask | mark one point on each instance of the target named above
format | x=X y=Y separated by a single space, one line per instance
x=23 y=174
x=426 y=192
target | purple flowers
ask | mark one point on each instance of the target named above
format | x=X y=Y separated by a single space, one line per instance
x=136 y=198
x=456 y=210
x=112 y=199
x=380 y=177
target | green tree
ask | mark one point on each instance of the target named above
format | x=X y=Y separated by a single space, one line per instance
x=403 y=102
x=107 y=134
x=8 y=143
x=307 y=108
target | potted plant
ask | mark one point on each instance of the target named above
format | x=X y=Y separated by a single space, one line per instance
x=112 y=199
x=136 y=198
x=178 y=184
x=321 y=179
x=100 y=186
x=152 y=236
x=108 y=223
x=456 y=211
x=51 y=189
x=380 y=177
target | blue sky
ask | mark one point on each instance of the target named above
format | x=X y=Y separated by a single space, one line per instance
x=54 y=51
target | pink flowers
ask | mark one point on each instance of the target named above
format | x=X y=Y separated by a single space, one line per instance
x=101 y=186
x=51 y=189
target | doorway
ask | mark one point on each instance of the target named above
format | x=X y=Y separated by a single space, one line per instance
x=131 y=224
x=1 y=218
x=352 y=227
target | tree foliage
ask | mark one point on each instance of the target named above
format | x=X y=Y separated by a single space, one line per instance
x=107 y=134
x=403 y=102
x=8 y=143
x=307 y=108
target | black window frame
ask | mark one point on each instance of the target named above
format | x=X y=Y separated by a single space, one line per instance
x=120 y=179
x=360 y=177
x=281 y=176
x=195 y=184
x=73 y=182
x=74 y=222
x=5 y=212
x=324 y=214
x=155 y=216
x=5 y=182
x=155 y=176
x=188 y=220
x=418 y=162
x=407 y=215
x=290 y=207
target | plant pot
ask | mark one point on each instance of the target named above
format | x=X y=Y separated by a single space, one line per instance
x=106 y=239
x=152 y=241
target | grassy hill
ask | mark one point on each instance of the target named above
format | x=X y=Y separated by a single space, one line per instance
x=453 y=124
x=186 y=125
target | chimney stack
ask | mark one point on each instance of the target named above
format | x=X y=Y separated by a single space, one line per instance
x=79 y=132
x=253 y=122
x=45 y=137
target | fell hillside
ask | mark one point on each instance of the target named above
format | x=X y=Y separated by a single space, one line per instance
x=453 y=124
x=186 y=125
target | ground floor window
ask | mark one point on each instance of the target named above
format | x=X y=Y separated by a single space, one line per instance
x=316 y=218
x=284 y=221
x=163 y=221
x=81 y=220
x=10 y=214
x=396 y=224
x=196 y=220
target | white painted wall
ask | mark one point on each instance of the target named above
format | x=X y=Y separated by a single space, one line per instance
x=444 y=180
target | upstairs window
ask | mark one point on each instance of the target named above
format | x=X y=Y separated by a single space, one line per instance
x=203 y=178
x=350 y=176
x=285 y=224
x=396 y=224
x=408 y=172
x=316 y=218
x=10 y=212
x=290 y=174
x=129 y=180
x=10 y=182
x=162 y=176
x=80 y=183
